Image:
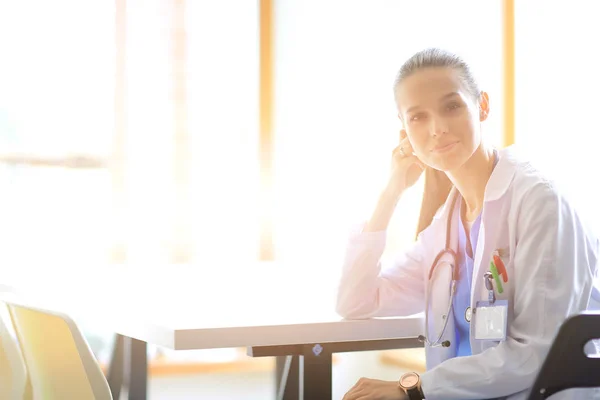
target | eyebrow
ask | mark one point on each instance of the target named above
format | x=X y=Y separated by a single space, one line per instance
x=444 y=97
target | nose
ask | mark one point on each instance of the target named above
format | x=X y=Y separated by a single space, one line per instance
x=438 y=127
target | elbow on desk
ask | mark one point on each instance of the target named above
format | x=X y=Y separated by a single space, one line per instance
x=351 y=306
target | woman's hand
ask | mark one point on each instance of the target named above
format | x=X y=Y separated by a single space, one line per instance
x=373 y=389
x=406 y=170
x=406 y=167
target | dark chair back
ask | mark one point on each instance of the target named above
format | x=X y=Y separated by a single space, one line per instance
x=567 y=365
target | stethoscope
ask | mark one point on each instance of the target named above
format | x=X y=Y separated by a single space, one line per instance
x=455 y=274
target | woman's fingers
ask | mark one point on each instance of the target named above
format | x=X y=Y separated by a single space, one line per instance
x=402 y=134
x=403 y=149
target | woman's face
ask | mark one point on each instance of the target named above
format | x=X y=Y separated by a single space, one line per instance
x=441 y=118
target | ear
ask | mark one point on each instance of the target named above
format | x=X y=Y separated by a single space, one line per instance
x=484 y=106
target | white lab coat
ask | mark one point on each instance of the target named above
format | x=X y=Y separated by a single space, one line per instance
x=551 y=260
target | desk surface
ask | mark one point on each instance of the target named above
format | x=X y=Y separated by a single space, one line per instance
x=185 y=310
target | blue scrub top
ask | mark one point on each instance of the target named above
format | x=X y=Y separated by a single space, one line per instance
x=462 y=297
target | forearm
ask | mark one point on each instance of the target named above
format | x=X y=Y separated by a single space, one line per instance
x=366 y=289
x=384 y=210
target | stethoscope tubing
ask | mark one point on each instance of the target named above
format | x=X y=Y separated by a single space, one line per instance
x=455 y=276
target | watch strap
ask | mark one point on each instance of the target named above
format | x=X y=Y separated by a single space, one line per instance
x=415 y=393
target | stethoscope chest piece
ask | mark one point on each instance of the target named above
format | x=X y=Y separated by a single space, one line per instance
x=468 y=314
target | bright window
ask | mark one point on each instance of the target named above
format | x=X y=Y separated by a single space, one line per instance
x=336 y=119
x=556 y=99
x=56 y=104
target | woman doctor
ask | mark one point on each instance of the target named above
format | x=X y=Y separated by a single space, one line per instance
x=501 y=258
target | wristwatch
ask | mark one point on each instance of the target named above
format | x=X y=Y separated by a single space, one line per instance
x=411 y=384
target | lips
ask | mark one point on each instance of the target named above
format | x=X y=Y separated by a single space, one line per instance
x=443 y=147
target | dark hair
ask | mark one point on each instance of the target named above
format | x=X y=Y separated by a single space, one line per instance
x=437 y=184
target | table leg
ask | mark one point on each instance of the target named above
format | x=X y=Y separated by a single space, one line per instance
x=116 y=367
x=138 y=370
x=129 y=365
x=286 y=378
x=315 y=373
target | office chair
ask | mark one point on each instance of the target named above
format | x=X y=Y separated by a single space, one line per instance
x=567 y=366
x=14 y=383
x=59 y=361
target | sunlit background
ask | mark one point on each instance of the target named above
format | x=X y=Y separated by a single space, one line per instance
x=131 y=131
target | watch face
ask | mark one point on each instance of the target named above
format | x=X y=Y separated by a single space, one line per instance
x=409 y=380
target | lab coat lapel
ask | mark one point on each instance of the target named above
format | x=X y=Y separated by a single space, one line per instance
x=493 y=209
x=492 y=234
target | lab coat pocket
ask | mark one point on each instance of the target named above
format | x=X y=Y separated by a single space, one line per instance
x=499 y=265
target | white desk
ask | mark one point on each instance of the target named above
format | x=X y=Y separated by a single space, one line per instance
x=270 y=312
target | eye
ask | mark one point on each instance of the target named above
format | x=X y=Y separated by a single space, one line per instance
x=417 y=117
x=453 y=106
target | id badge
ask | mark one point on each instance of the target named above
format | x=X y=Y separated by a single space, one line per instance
x=491 y=320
